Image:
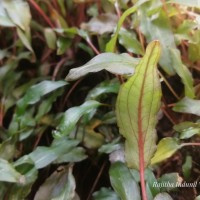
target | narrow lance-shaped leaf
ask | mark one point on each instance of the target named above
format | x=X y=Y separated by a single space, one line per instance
x=122 y=64
x=137 y=106
x=9 y=174
x=166 y=148
x=36 y=92
x=123 y=182
x=188 y=105
x=112 y=43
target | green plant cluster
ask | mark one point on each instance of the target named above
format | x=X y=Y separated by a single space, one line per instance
x=110 y=86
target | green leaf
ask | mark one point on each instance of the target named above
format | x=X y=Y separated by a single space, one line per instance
x=187 y=105
x=122 y=64
x=7 y=149
x=111 y=146
x=166 y=148
x=89 y=137
x=68 y=191
x=194 y=46
x=36 y=92
x=190 y=3
x=158 y=28
x=185 y=31
x=72 y=116
x=163 y=196
x=104 y=23
x=103 y=88
x=59 y=186
x=172 y=178
x=46 y=105
x=187 y=167
x=20 y=19
x=194 y=52
x=187 y=129
x=183 y=72
x=130 y=42
x=19 y=12
x=62 y=45
x=25 y=38
x=9 y=174
x=26 y=167
x=50 y=38
x=112 y=43
x=123 y=182
x=4 y=18
x=137 y=106
x=67 y=32
x=74 y=155
x=62 y=6
x=43 y=156
x=152 y=191
x=105 y=194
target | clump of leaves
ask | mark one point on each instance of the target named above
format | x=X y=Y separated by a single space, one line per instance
x=102 y=135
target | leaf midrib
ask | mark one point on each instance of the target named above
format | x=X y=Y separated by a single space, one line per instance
x=140 y=121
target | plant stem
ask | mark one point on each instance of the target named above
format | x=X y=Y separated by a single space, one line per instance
x=35 y=5
x=96 y=180
x=92 y=46
x=168 y=85
x=117 y=9
x=57 y=68
x=142 y=181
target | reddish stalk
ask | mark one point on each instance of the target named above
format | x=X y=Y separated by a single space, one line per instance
x=141 y=39
x=99 y=6
x=120 y=78
x=168 y=85
x=71 y=90
x=97 y=179
x=92 y=46
x=40 y=11
x=55 y=4
x=1 y=113
x=1 y=118
x=141 y=142
x=168 y=116
x=141 y=148
x=118 y=11
x=57 y=68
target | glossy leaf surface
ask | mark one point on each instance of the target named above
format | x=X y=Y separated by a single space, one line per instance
x=9 y=174
x=187 y=105
x=123 y=182
x=158 y=29
x=72 y=115
x=122 y=64
x=166 y=148
x=36 y=92
x=187 y=129
x=183 y=72
x=111 y=44
x=59 y=186
x=58 y=152
x=105 y=194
